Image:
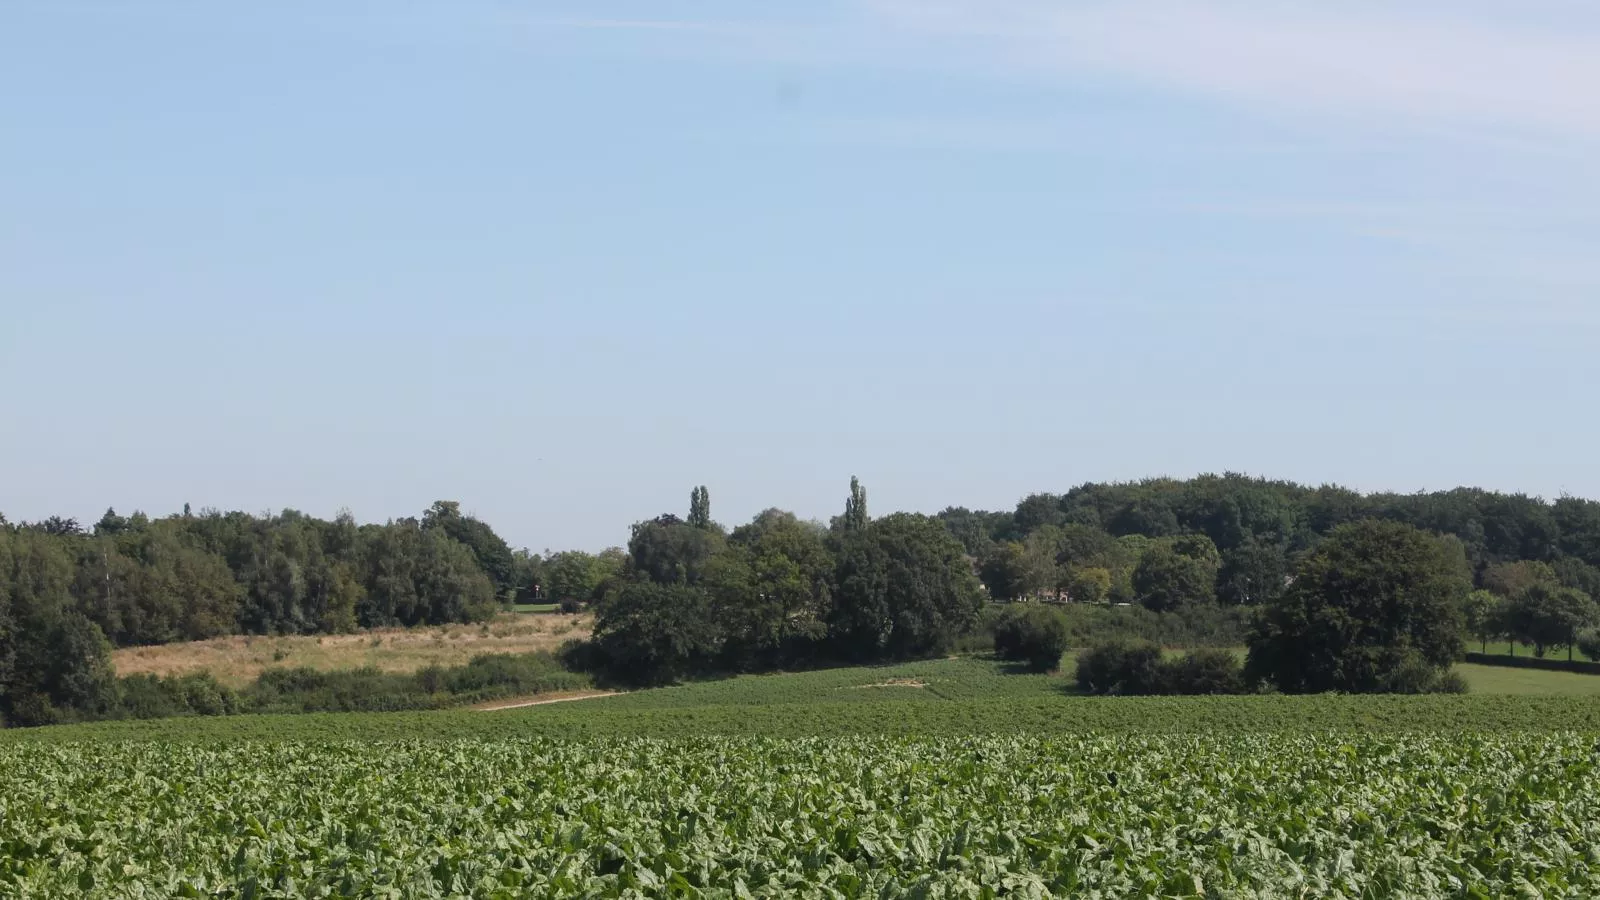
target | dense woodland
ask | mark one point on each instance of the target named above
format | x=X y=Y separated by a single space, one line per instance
x=689 y=595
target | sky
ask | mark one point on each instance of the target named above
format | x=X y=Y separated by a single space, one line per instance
x=562 y=261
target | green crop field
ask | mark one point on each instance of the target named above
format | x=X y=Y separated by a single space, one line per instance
x=963 y=696
x=1220 y=815
x=944 y=778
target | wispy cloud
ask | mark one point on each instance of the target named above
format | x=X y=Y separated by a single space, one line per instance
x=1427 y=63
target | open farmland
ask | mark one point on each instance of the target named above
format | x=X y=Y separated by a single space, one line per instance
x=1215 y=815
x=946 y=697
x=941 y=778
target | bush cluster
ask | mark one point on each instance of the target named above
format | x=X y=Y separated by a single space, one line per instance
x=485 y=677
x=1139 y=668
x=150 y=697
x=1589 y=644
x=1031 y=634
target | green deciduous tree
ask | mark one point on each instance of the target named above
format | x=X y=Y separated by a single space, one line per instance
x=1167 y=579
x=574 y=575
x=1375 y=603
x=651 y=633
x=1085 y=546
x=700 y=507
x=1003 y=571
x=492 y=553
x=668 y=550
x=1253 y=572
x=52 y=658
x=855 y=508
x=772 y=590
x=1549 y=617
x=902 y=587
x=1483 y=616
x=1089 y=585
x=1511 y=579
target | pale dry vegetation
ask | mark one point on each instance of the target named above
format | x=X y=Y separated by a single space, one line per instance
x=237 y=660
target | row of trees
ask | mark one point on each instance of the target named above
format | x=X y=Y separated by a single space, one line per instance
x=780 y=592
x=687 y=594
x=67 y=594
x=1233 y=509
x=1376 y=607
x=1236 y=540
x=1528 y=603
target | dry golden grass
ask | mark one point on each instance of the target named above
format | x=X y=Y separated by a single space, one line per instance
x=238 y=660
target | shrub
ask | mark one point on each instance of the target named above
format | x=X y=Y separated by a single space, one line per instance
x=1138 y=668
x=1121 y=668
x=201 y=695
x=1035 y=635
x=33 y=708
x=579 y=655
x=979 y=636
x=1205 y=671
x=1409 y=673
x=142 y=697
x=570 y=605
x=504 y=673
x=1589 y=644
x=355 y=690
x=431 y=679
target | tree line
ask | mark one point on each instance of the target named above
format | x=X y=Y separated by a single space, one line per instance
x=779 y=591
x=1235 y=540
x=688 y=594
x=69 y=594
x=1092 y=538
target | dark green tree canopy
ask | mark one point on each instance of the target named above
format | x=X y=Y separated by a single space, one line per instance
x=855 y=508
x=1375 y=599
x=902 y=587
x=1549 y=617
x=1254 y=572
x=772 y=593
x=492 y=552
x=668 y=550
x=650 y=633
x=700 y=507
x=1173 y=574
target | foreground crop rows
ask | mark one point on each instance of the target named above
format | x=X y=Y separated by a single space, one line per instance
x=1202 y=815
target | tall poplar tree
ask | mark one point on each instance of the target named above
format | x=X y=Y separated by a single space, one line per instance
x=700 y=507
x=855 y=509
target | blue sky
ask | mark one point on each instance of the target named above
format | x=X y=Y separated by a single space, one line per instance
x=562 y=261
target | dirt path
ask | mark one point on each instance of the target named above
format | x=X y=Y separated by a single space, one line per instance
x=519 y=704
